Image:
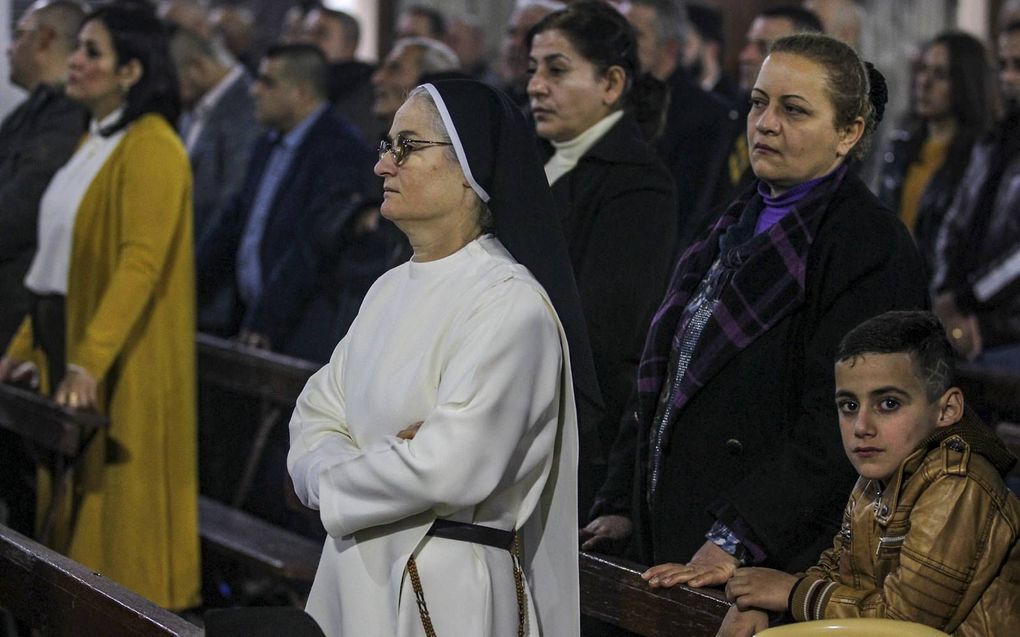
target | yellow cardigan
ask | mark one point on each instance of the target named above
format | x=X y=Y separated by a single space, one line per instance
x=130 y=311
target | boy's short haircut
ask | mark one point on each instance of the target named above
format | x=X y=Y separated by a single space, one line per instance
x=917 y=333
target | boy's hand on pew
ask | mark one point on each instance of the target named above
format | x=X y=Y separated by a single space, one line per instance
x=606 y=533
x=710 y=566
x=742 y=623
x=764 y=588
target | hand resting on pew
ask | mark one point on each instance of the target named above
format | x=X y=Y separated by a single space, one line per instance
x=606 y=534
x=78 y=390
x=19 y=372
x=763 y=588
x=710 y=566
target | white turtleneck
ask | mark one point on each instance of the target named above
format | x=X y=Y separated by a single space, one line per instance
x=568 y=153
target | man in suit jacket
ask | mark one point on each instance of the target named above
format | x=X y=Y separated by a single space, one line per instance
x=309 y=176
x=350 y=81
x=219 y=127
x=36 y=139
x=693 y=143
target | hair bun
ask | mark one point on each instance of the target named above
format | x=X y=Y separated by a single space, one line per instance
x=879 y=92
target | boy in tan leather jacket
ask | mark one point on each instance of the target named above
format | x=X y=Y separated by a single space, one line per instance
x=930 y=532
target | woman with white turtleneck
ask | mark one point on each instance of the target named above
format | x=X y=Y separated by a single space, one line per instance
x=616 y=200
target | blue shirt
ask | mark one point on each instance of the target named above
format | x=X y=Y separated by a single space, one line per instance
x=249 y=265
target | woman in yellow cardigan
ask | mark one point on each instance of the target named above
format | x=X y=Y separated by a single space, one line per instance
x=113 y=322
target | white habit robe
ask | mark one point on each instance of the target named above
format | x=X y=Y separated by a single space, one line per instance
x=470 y=346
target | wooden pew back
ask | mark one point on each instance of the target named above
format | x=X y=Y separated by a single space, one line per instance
x=58 y=596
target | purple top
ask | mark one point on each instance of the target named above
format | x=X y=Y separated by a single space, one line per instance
x=777 y=207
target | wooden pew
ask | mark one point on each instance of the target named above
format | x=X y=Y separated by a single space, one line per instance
x=58 y=436
x=272 y=380
x=246 y=538
x=252 y=372
x=612 y=590
x=58 y=596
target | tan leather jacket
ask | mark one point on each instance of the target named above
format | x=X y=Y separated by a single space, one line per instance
x=938 y=546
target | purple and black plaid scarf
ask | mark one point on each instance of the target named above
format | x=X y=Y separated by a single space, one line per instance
x=767 y=286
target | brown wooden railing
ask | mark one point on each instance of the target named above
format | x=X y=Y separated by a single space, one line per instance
x=59 y=597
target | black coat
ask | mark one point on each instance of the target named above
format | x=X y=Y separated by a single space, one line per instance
x=760 y=442
x=36 y=139
x=694 y=145
x=617 y=209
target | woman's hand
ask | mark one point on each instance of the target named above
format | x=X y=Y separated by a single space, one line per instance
x=742 y=623
x=760 y=588
x=78 y=390
x=606 y=532
x=710 y=566
x=16 y=371
x=410 y=432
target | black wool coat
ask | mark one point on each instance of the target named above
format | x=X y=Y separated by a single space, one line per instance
x=759 y=445
x=617 y=208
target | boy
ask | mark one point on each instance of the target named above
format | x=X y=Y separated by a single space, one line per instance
x=930 y=532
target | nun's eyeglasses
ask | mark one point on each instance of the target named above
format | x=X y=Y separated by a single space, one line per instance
x=402 y=147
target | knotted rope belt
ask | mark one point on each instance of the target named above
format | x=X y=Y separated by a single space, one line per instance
x=476 y=534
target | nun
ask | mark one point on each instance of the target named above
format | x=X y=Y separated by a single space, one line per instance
x=440 y=442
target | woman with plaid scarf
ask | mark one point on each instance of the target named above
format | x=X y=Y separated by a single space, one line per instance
x=732 y=454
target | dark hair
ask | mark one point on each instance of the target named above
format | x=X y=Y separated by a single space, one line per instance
x=804 y=20
x=437 y=23
x=670 y=18
x=917 y=333
x=973 y=89
x=605 y=38
x=348 y=23
x=973 y=100
x=303 y=64
x=855 y=90
x=137 y=34
x=708 y=22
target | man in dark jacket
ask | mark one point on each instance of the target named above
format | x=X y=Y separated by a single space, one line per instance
x=219 y=127
x=977 y=253
x=270 y=256
x=36 y=139
x=698 y=126
x=350 y=81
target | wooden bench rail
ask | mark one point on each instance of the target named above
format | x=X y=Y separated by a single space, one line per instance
x=252 y=372
x=612 y=590
x=274 y=550
x=58 y=596
x=40 y=420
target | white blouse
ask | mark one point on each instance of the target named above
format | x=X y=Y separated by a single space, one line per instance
x=58 y=208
